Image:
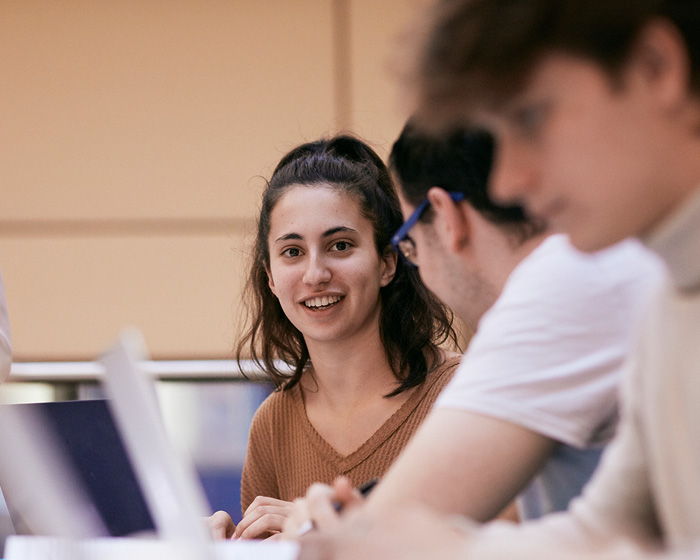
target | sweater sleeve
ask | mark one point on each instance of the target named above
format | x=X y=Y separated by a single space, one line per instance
x=259 y=477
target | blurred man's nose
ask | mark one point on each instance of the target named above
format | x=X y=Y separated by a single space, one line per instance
x=513 y=174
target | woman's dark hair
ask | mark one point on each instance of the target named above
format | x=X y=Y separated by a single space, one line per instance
x=412 y=320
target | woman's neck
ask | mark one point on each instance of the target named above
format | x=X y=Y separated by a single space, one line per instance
x=345 y=373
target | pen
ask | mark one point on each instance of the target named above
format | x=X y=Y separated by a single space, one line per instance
x=363 y=489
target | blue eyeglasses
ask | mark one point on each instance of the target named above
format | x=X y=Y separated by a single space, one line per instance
x=402 y=242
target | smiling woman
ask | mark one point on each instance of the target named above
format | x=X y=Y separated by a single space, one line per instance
x=325 y=270
x=361 y=333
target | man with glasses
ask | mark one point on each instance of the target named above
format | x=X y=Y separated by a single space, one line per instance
x=534 y=400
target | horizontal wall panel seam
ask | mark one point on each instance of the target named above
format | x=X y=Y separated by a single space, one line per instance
x=124 y=227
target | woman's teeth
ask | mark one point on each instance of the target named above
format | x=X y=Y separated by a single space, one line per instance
x=325 y=301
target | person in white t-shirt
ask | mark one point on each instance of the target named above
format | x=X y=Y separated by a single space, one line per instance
x=534 y=401
x=595 y=107
x=547 y=356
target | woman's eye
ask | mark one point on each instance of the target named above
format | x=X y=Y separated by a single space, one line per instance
x=341 y=246
x=291 y=252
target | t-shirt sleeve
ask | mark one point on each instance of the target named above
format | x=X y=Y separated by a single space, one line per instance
x=614 y=515
x=548 y=354
x=258 y=478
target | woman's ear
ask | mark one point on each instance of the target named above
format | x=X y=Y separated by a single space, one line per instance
x=451 y=220
x=270 y=281
x=389 y=259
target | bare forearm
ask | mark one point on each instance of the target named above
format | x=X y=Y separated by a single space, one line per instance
x=463 y=463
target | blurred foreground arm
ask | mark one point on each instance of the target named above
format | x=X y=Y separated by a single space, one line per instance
x=461 y=462
x=458 y=462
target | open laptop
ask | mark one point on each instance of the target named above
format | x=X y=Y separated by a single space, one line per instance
x=91 y=446
x=52 y=491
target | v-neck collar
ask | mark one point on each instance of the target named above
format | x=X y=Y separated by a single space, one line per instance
x=344 y=463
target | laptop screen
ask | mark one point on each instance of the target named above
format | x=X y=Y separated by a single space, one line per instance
x=93 y=448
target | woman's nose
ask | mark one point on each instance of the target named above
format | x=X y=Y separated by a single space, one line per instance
x=317 y=271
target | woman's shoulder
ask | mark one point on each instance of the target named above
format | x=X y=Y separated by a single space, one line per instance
x=449 y=361
x=441 y=374
x=279 y=402
x=450 y=358
x=436 y=380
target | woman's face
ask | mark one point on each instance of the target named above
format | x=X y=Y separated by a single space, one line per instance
x=324 y=266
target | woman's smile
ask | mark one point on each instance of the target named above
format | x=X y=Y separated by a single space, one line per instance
x=322 y=302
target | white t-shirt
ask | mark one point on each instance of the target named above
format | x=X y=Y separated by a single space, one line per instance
x=547 y=356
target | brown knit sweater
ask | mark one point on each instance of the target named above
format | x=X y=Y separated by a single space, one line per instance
x=286 y=454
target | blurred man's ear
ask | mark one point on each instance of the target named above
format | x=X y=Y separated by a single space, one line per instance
x=452 y=221
x=661 y=60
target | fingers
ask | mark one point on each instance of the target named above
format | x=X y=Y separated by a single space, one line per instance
x=319 y=509
x=345 y=495
x=262 y=501
x=262 y=528
x=221 y=525
x=264 y=517
x=316 y=510
x=320 y=505
x=297 y=519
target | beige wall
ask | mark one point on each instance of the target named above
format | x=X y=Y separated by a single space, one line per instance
x=132 y=138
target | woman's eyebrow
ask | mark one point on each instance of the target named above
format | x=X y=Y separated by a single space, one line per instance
x=339 y=229
x=327 y=233
x=288 y=236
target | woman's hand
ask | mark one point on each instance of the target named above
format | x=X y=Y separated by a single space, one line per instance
x=221 y=525
x=263 y=519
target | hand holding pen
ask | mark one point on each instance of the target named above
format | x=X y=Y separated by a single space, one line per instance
x=322 y=505
x=363 y=489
